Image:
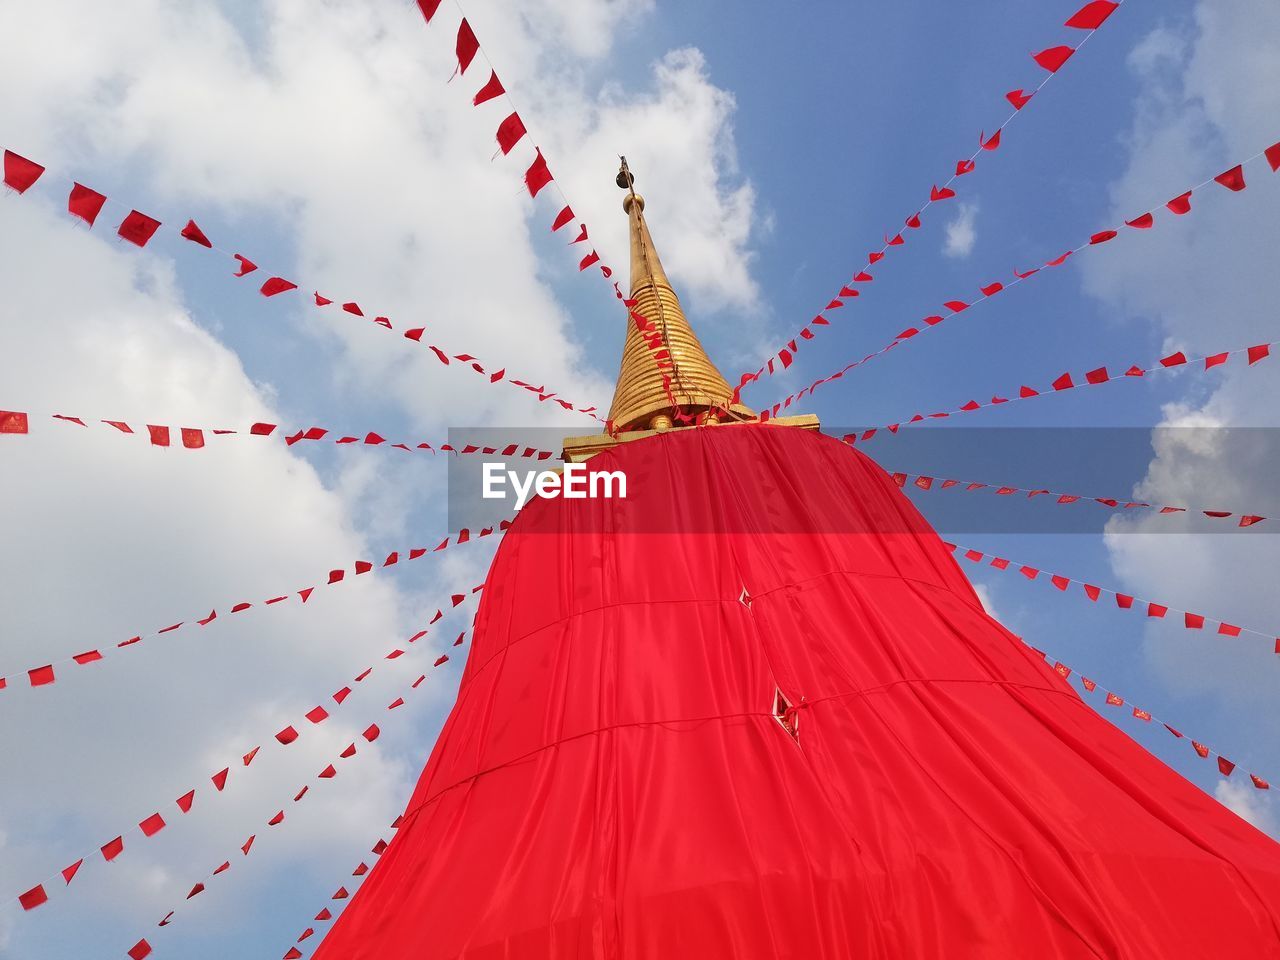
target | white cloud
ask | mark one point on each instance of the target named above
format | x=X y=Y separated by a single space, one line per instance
x=327 y=135
x=961 y=232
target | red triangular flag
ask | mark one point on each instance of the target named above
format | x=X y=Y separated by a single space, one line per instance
x=1053 y=58
x=466 y=46
x=138 y=228
x=1232 y=179
x=509 y=132
x=537 y=176
x=85 y=203
x=490 y=90
x=1092 y=15
x=19 y=172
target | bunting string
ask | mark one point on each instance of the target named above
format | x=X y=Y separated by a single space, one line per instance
x=194 y=438
x=510 y=132
x=1232 y=179
x=138 y=228
x=1096 y=377
x=923 y=482
x=1123 y=601
x=47 y=674
x=326 y=913
x=143 y=948
x=1089 y=18
x=1110 y=698
x=149 y=826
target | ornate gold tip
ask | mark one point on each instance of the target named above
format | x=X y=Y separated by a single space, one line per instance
x=640 y=402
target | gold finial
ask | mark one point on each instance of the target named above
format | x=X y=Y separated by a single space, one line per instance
x=640 y=402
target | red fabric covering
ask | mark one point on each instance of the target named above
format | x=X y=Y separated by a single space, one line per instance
x=613 y=781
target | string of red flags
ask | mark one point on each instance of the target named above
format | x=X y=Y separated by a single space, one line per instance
x=138 y=229
x=341 y=895
x=290 y=733
x=195 y=438
x=47 y=674
x=923 y=482
x=1096 y=377
x=1123 y=601
x=510 y=132
x=143 y=948
x=1088 y=18
x=1232 y=179
x=1102 y=699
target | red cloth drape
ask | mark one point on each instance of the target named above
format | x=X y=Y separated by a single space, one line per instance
x=613 y=783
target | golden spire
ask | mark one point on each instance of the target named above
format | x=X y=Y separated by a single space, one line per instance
x=640 y=401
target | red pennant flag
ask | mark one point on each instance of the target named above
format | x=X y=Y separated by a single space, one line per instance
x=563 y=217
x=1181 y=204
x=1097 y=376
x=293 y=953
x=537 y=176
x=429 y=8
x=1092 y=15
x=112 y=849
x=1225 y=766
x=195 y=235
x=1193 y=621
x=219 y=779
x=964 y=166
x=340 y=894
x=138 y=228
x=1088 y=684
x=1156 y=610
x=991 y=289
x=1256 y=353
x=1114 y=700
x=140 y=950
x=1124 y=601
x=19 y=172
x=287 y=735
x=467 y=45
x=185 y=801
x=85 y=203
x=509 y=133
x=13 y=421
x=36 y=895
x=371 y=732
x=1063 y=382
x=192 y=438
x=41 y=676
x=1215 y=360
x=992 y=144
x=1091 y=591
x=490 y=90
x=159 y=435
x=277 y=285
x=152 y=825
x=1232 y=179
x=1053 y=58
x=1102 y=236
x=1018 y=98
x=1259 y=782
x=1062 y=583
x=588 y=260
x=1273 y=156
x=1141 y=714
x=68 y=873
x=276 y=820
x=1143 y=222
x=1173 y=359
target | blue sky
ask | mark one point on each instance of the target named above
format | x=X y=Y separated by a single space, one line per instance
x=775 y=143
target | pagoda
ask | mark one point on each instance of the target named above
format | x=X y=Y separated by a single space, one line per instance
x=755 y=710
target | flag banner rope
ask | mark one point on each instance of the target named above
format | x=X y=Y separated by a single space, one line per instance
x=923 y=482
x=1110 y=698
x=326 y=913
x=46 y=674
x=1123 y=601
x=1232 y=179
x=138 y=228
x=510 y=132
x=290 y=733
x=194 y=438
x=1092 y=378
x=143 y=948
x=1090 y=17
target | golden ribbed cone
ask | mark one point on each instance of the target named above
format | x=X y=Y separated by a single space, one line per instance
x=696 y=385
